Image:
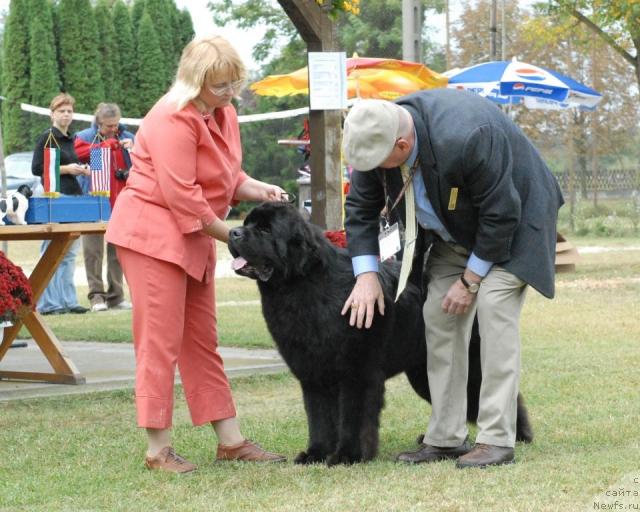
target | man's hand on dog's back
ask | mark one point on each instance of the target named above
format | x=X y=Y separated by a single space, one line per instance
x=362 y=300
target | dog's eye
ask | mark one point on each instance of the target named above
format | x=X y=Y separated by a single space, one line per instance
x=264 y=229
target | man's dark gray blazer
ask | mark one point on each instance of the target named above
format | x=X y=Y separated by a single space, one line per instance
x=486 y=181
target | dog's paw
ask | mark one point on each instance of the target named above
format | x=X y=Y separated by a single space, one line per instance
x=341 y=457
x=309 y=457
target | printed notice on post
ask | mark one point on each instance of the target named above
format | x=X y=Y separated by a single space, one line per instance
x=327 y=80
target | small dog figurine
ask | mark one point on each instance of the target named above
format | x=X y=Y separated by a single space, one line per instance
x=15 y=206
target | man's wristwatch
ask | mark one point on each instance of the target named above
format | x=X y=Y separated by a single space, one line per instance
x=471 y=287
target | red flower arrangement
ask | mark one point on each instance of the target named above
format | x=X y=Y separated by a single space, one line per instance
x=337 y=238
x=15 y=290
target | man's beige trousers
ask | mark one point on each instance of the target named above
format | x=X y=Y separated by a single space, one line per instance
x=498 y=304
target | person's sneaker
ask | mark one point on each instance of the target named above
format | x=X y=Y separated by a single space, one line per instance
x=125 y=305
x=247 y=451
x=99 y=306
x=169 y=460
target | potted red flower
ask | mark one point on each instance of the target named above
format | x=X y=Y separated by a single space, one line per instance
x=15 y=292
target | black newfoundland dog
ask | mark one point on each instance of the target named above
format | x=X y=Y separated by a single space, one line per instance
x=304 y=281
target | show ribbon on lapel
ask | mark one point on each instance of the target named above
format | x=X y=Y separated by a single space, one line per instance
x=410 y=233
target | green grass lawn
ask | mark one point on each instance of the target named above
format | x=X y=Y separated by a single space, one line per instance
x=580 y=378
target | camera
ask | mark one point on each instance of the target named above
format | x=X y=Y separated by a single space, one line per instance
x=122 y=174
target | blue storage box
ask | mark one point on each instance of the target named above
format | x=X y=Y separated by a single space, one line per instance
x=43 y=210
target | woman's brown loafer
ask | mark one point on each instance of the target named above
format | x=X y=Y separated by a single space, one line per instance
x=247 y=451
x=169 y=460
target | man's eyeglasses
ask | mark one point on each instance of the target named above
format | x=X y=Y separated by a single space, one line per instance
x=232 y=87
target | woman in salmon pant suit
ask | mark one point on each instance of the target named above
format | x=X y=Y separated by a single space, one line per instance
x=186 y=174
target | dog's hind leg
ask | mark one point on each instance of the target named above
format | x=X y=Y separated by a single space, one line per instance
x=524 y=430
x=373 y=404
x=321 y=406
x=419 y=381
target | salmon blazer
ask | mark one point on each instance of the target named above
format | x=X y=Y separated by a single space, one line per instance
x=186 y=169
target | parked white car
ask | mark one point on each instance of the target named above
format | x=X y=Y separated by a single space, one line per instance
x=18 y=170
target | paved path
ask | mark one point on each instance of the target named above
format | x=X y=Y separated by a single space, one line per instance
x=109 y=366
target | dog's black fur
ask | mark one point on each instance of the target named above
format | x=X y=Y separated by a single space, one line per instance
x=304 y=282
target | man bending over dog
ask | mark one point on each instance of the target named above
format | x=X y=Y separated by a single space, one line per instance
x=471 y=187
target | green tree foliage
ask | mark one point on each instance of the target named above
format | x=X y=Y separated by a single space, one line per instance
x=16 y=78
x=617 y=22
x=126 y=77
x=376 y=32
x=557 y=42
x=160 y=12
x=89 y=52
x=151 y=65
x=174 y=19
x=137 y=10
x=185 y=30
x=109 y=56
x=78 y=50
x=43 y=63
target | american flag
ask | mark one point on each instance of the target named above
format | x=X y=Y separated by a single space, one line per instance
x=100 y=165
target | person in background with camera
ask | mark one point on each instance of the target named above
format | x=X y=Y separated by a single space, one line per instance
x=60 y=295
x=106 y=129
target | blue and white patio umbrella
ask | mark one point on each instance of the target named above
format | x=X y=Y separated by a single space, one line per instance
x=518 y=82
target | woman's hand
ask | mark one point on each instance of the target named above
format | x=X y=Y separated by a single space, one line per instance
x=218 y=229
x=254 y=190
x=75 y=169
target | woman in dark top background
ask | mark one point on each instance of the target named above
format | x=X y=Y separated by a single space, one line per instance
x=60 y=295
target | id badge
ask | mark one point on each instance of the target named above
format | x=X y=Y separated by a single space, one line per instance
x=389 y=241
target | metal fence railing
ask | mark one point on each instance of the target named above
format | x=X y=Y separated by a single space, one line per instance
x=605 y=180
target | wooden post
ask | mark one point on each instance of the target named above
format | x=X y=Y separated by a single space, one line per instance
x=318 y=32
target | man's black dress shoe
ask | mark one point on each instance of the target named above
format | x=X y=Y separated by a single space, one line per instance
x=78 y=310
x=484 y=455
x=60 y=311
x=429 y=453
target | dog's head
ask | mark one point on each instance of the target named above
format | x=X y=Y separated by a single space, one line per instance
x=15 y=206
x=25 y=190
x=276 y=244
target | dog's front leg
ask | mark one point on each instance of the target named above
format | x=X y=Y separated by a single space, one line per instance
x=321 y=406
x=351 y=408
x=361 y=401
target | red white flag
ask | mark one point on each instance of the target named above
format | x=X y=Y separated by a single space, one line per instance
x=51 y=170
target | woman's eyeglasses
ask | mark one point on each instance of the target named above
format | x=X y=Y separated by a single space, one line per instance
x=232 y=87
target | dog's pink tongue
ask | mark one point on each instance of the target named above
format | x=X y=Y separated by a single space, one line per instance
x=238 y=263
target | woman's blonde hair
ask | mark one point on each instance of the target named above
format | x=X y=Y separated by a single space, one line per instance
x=205 y=60
x=61 y=99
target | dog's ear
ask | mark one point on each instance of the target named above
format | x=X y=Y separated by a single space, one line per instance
x=25 y=190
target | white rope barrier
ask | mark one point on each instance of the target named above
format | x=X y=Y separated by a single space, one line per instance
x=252 y=118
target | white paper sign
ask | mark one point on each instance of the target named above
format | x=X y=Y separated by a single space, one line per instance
x=327 y=80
